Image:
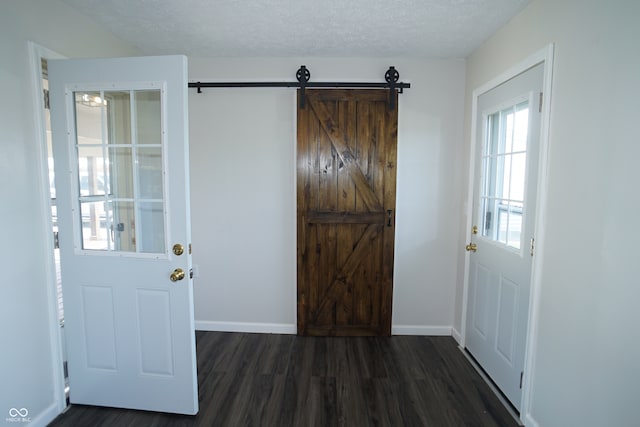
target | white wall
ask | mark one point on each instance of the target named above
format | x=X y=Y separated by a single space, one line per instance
x=243 y=190
x=27 y=377
x=588 y=346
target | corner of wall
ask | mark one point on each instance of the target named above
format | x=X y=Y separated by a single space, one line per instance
x=456 y=335
x=529 y=421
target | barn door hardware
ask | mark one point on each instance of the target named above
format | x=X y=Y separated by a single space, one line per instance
x=303 y=75
x=389 y=217
x=392 y=76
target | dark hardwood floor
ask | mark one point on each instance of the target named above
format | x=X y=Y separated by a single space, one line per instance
x=285 y=380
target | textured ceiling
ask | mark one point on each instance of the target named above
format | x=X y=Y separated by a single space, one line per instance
x=318 y=28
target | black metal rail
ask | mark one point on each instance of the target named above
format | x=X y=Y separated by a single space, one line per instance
x=303 y=76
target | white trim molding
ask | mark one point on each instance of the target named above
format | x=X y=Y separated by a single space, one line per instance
x=421 y=330
x=456 y=335
x=291 y=329
x=541 y=220
x=45 y=417
x=36 y=54
x=545 y=56
x=529 y=421
x=262 y=328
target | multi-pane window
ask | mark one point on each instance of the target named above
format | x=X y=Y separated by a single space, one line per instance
x=120 y=170
x=504 y=161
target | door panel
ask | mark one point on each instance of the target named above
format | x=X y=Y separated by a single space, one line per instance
x=121 y=161
x=504 y=213
x=481 y=300
x=346 y=208
x=98 y=327
x=507 y=304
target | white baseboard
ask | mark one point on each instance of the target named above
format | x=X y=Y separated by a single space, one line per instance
x=421 y=330
x=264 y=328
x=44 y=418
x=529 y=421
x=456 y=335
x=284 y=328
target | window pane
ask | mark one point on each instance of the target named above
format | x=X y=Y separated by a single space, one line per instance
x=89 y=117
x=94 y=226
x=123 y=228
x=508 y=130
x=487 y=220
x=521 y=128
x=515 y=226
x=504 y=171
x=119 y=117
x=91 y=171
x=503 y=222
x=493 y=134
x=504 y=175
x=148 y=116
x=150 y=172
x=121 y=165
x=120 y=171
x=152 y=227
x=518 y=172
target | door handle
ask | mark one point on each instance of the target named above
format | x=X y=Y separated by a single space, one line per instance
x=471 y=247
x=178 y=274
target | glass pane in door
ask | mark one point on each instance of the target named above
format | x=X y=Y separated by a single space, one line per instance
x=148 y=115
x=504 y=162
x=120 y=171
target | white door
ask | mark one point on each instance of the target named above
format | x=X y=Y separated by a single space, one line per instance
x=120 y=140
x=508 y=135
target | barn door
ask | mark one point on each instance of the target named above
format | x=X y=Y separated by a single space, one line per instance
x=346 y=175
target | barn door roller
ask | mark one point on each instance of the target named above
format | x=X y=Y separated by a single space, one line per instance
x=303 y=75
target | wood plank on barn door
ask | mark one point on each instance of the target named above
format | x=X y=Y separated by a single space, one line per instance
x=346 y=186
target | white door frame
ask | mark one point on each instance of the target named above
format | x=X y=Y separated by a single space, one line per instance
x=543 y=56
x=36 y=54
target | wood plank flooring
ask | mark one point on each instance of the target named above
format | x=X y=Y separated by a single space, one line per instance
x=286 y=380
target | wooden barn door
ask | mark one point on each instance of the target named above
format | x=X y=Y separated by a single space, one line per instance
x=346 y=191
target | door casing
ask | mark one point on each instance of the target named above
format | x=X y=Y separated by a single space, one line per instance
x=36 y=54
x=545 y=56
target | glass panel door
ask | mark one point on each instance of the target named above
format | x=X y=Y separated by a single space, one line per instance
x=504 y=170
x=120 y=174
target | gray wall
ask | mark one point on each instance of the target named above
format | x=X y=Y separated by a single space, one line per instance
x=243 y=191
x=27 y=365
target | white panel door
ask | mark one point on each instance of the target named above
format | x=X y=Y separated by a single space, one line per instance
x=120 y=140
x=504 y=207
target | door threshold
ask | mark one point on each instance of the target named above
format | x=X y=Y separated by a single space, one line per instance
x=505 y=402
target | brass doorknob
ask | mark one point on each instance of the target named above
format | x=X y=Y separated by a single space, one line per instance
x=471 y=247
x=178 y=274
